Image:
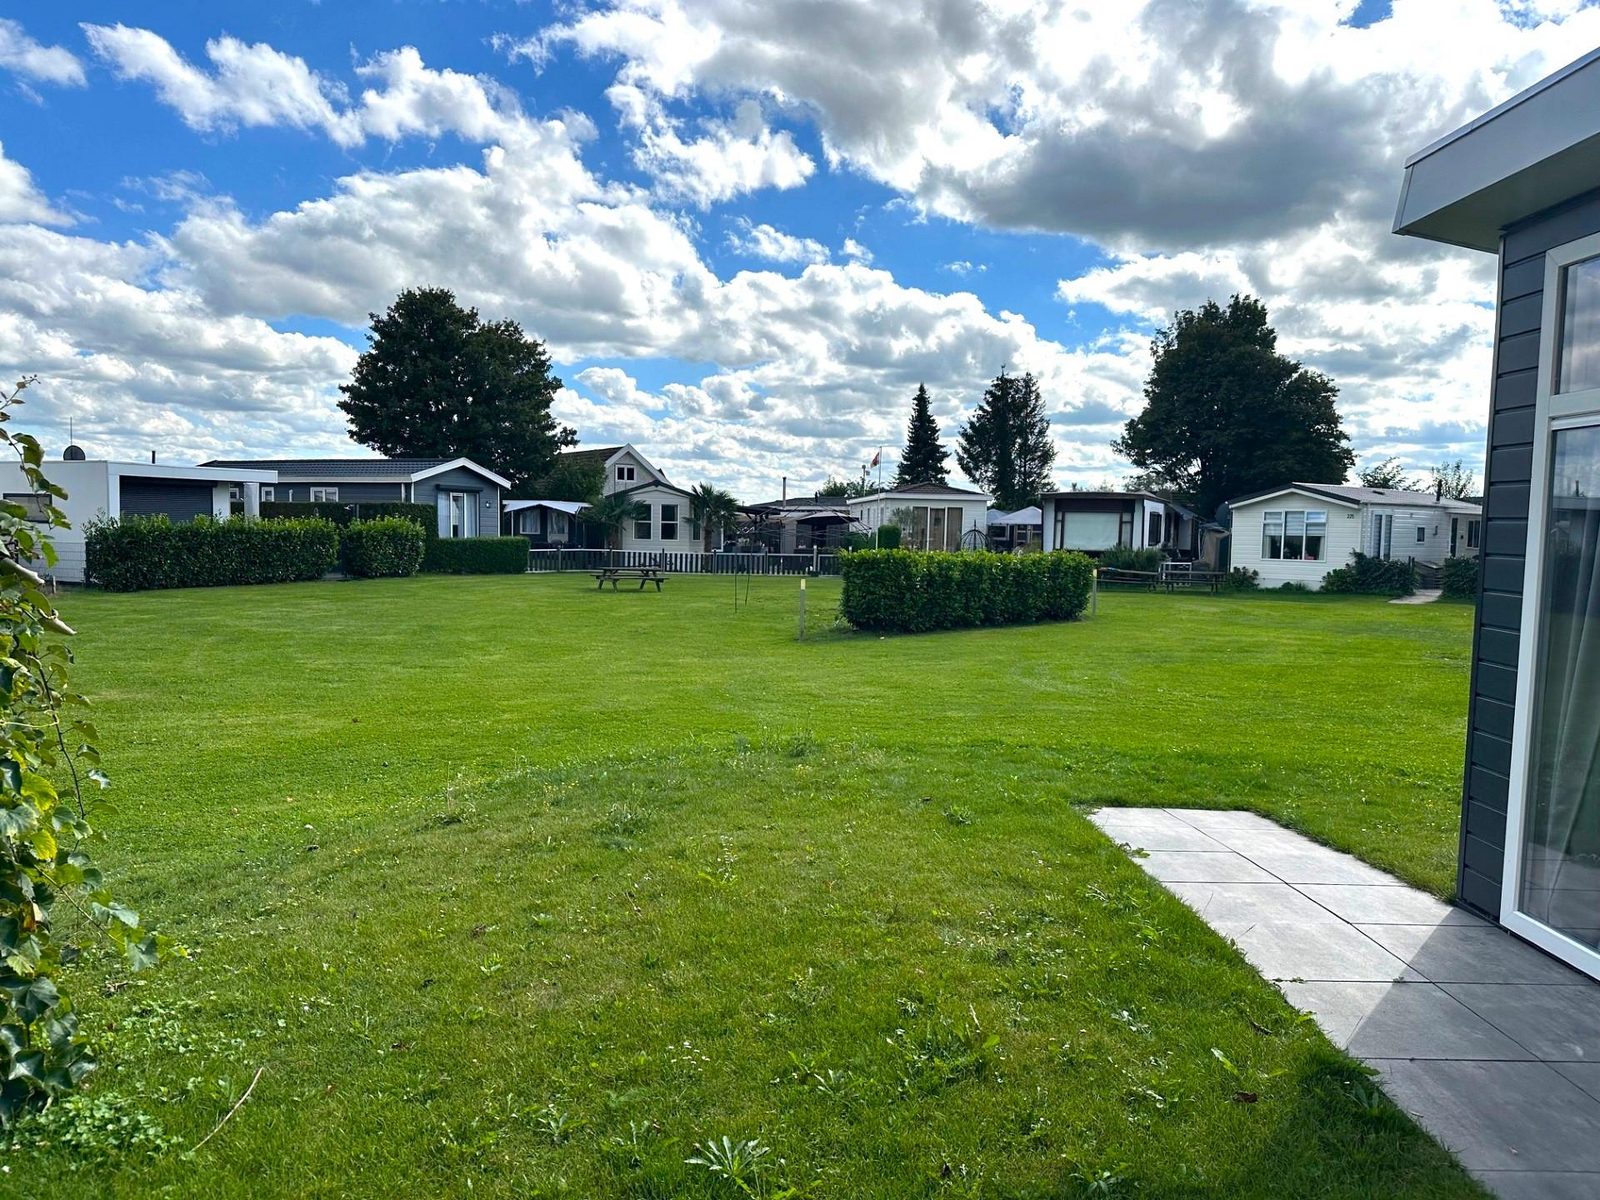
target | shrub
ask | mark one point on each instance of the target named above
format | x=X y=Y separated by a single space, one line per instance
x=1242 y=579
x=1458 y=578
x=385 y=546
x=888 y=537
x=1372 y=577
x=138 y=553
x=1293 y=585
x=1124 y=558
x=913 y=591
x=343 y=514
x=477 y=556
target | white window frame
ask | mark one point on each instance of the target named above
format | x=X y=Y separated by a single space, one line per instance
x=669 y=525
x=235 y=493
x=556 y=526
x=1305 y=515
x=324 y=495
x=269 y=493
x=525 y=522
x=1474 y=532
x=1552 y=413
x=643 y=525
x=625 y=473
x=1422 y=534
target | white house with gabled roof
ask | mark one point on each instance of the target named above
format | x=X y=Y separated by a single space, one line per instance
x=931 y=516
x=665 y=523
x=1299 y=532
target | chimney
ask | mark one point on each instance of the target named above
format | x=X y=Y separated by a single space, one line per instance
x=1438 y=489
x=152 y=458
x=785 y=499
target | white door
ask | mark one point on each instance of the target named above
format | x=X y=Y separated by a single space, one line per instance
x=1551 y=892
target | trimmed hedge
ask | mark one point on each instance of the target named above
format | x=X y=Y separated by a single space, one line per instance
x=888 y=537
x=916 y=591
x=1458 y=578
x=1372 y=577
x=383 y=547
x=343 y=514
x=1125 y=558
x=140 y=553
x=477 y=556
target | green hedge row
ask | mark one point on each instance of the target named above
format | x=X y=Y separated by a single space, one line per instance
x=343 y=514
x=915 y=591
x=477 y=556
x=1372 y=576
x=386 y=546
x=1458 y=578
x=138 y=553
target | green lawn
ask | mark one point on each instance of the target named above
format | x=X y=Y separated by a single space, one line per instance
x=520 y=889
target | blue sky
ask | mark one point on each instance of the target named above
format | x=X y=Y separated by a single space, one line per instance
x=747 y=230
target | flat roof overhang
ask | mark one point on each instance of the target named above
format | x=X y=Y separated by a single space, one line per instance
x=1535 y=151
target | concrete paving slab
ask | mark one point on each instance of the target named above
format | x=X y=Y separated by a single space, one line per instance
x=1203 y=866
x=1540 y=1185
x=1471 y=954
x=1152 y=829
x=1385 y=904
x=1587 y=1076
x=1558 y=1024
x=1401 y=1020
x=1313 y=864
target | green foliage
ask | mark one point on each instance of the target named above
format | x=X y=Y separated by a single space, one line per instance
x=1458 y=578
x=570 y=479
x=846 y=489
x=437 y=382
x=343 y=514
x=1453 y=481
x=46 y=740
x=1388 y=475
x=1225 y=414
x=1372 y=577
x=1293 y=585
x=712 y=509
x=1006 y=448
x=1125 y=558
x=138 y=553
x=915 y=591
x=477 y=556
x=612 y=514
x=1242 y=579
x=384 y=546
x=923 y=459
x=888 y=537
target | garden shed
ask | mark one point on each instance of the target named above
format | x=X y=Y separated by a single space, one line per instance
x=1522 y=182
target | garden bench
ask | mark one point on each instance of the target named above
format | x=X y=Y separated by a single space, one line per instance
x=644 y=575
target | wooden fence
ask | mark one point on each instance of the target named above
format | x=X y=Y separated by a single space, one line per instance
x=689 y=562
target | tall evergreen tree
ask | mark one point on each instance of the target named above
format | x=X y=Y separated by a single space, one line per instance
x=437 y=382
x=923 y=459
x=1225 y=414
x=1006 y=448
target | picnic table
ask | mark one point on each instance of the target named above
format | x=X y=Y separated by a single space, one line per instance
x=615 y=575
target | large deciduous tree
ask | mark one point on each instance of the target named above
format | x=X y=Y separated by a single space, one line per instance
x=1225 y=414
x=1388 y=475
x=1454 y=481
x=923 y=459
x=437 y=382
x=1005 y=448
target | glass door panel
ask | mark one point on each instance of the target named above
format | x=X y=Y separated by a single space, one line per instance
x=1559 y=880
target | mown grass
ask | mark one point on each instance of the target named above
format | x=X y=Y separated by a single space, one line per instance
x=519 y=889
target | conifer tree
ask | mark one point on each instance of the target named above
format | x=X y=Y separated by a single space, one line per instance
x=923 y=459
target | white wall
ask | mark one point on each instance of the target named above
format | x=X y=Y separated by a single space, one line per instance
x=87 y=498
x=1344 y=535
x=655 y=497
x=1407 y=519
x=641 y=473
x=873 y=513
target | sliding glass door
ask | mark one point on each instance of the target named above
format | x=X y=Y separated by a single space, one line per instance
x=1552 y=886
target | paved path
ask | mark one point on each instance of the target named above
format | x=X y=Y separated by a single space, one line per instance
x=1420 y=596
x=1491 y=1045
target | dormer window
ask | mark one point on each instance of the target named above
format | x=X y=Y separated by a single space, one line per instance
x=624 y=474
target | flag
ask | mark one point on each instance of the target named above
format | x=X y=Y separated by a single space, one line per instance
x=876 y=459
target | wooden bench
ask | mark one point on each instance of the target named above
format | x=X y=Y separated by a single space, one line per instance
x=614 y=575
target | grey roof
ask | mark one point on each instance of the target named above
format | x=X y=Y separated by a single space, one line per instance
x=344 y=468
x=1156 y=496
x=928 y=488
x=1539 y=148
x=1031 y=515
x=1366 y=495
x=587 y=455
x=800 y=502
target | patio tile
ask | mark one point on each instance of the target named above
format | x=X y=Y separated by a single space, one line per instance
x=1400 y=1020
x=1505 y=1116
x=1470 y=954
x=1541 y=1185
x=1585 y=1074
x=1226 y=821
x=1151 y=829
x=1312 y=863
x=1327 y=949
x=1228 y=903
x=1556 y=1023
x=1385 y=904
x=1203 y=866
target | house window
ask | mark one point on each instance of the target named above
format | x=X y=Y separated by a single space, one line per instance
x=528 y=521
x=641 y=524
x=268 y=493
x=1422 y=533
x=324 y=495
x=624 y=474
x=669 y=522
x=235 y=493
x=1294 y=536
x=1154 y=532
x=34 y=506
x=1474 y=531
x=1578 y=365
x=558 y=526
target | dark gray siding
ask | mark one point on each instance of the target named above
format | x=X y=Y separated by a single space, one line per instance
x=460 y=479
x=299 y=491
x=1508 y=487
x=179 y=499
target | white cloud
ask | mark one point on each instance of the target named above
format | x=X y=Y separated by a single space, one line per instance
x=774 y=245
x=21 y=200
x=855 y=251
x=23 y=56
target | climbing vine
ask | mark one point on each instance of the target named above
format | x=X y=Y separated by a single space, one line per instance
x=47 y=761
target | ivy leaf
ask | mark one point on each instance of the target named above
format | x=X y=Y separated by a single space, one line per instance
x=143 y=954
x=27 y=1065
x=31 y=998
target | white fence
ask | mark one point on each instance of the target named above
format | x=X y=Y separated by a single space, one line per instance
x=718 y=562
